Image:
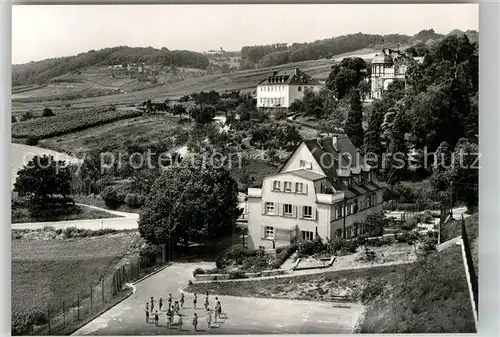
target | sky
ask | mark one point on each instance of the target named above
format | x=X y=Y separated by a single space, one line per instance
x=40 y=32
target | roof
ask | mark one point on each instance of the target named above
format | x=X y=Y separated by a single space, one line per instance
x=307 y=174
x=339 y=158
x=289 y=77
x=382 y=58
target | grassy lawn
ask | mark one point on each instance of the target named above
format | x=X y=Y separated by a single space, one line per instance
x=141 y=131
x=48 y=272
x=21 y=215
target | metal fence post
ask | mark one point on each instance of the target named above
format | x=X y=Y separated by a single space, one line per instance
x=48 y=318
x=130 y=271
x=64 y=313
x=138 y=267
x=91 y=295
x=78 y=306
x=103 y=291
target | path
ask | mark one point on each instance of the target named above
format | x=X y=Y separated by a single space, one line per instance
x=122 y=221
x=244 y=315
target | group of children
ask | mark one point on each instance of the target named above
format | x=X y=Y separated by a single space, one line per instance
x=174 y=310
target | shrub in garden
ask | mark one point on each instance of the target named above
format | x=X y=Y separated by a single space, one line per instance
x=198 y=271
x=22 y=321
x=237 y=274
x=112 y=197
x=47 y=112
x=410 y=224
x=149 y=255
x=371 y=291
x=32 y=141
x=307 y=248
x=282 y=254
x=134 y=200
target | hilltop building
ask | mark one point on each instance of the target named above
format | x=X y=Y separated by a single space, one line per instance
x=324 y=188
x=387 y=67
x=283 y=87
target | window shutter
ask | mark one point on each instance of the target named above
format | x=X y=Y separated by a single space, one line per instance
x=280 y=209
x=263 y=232
x=305 y=188
x=263 y=206
x=293 y=188
x=294 y=211
x=315 y=213
x=300 y=211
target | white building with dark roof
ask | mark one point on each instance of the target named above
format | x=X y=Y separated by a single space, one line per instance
x=387 y=67
x=283 y=87
x=324 y=188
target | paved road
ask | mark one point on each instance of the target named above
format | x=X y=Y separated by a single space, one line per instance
x=242 y=315
x=122 y=221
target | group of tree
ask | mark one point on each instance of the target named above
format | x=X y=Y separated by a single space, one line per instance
x=190 y=204
x=436 y=109
x=41 y=71
x=267 y=56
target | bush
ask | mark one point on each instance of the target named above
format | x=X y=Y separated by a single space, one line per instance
x=47 y=112
x=307 y=248
x=134 y=200
x=149 y=255
x=410 y=224
x=22 y=321
x=112 y=198
x=340 y=246
x=372 y=290
x=198 y=271
x=283 y=254
x=13 y=119
x=32 y=141
x=27 y=116
x=237 y=274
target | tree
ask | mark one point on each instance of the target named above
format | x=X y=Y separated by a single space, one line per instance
x=47 y=112
x=190 y=203
x=373 y=141
x=354 y=123
x=441 y=172
x=465 y=173
x=44 y=182
x=27 y=116
x=13 y=119
x=179 y=110
x=346 y=76
x=202 y=115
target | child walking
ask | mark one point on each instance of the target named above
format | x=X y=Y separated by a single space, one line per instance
x=156 y=318
x=160 y=302
x=182 y=300
x=195 y=299
x=209 y=318
x=147 y=312
x=169 y=300
x=195 y=321
x=152 y=304
x=179 y=323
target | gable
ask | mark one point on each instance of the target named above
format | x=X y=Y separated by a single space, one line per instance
x=302 y=153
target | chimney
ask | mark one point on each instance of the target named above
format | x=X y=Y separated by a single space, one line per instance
x=334 y=141
x=296 y=71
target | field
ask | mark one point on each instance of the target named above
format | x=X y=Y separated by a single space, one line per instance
x=45 y=273
x=68 y=122
x=140 y=131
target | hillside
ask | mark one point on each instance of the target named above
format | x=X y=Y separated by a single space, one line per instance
x=271 y=55
x=41 y=71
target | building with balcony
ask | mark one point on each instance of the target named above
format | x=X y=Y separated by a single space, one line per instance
x=283 y=87
x=324 y=188
x=387 y=67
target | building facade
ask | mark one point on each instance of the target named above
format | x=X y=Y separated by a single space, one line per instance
x=324 y=189
x=283 y=87
x=387 y=67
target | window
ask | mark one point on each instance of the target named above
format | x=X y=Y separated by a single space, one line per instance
x=276 y=185
x=299 y=187
x=269 y=208
x=339 y=211
x=300 y=88
x=269 y=232
x=307 y=212
x=288 y=186
x=338 y=233
x=368 y=202
x=287 y=209
x=348 y=210
x=306 y=164
x=307 y=235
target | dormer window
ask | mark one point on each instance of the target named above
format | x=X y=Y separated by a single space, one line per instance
x=306 y=164
x=276 y=185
